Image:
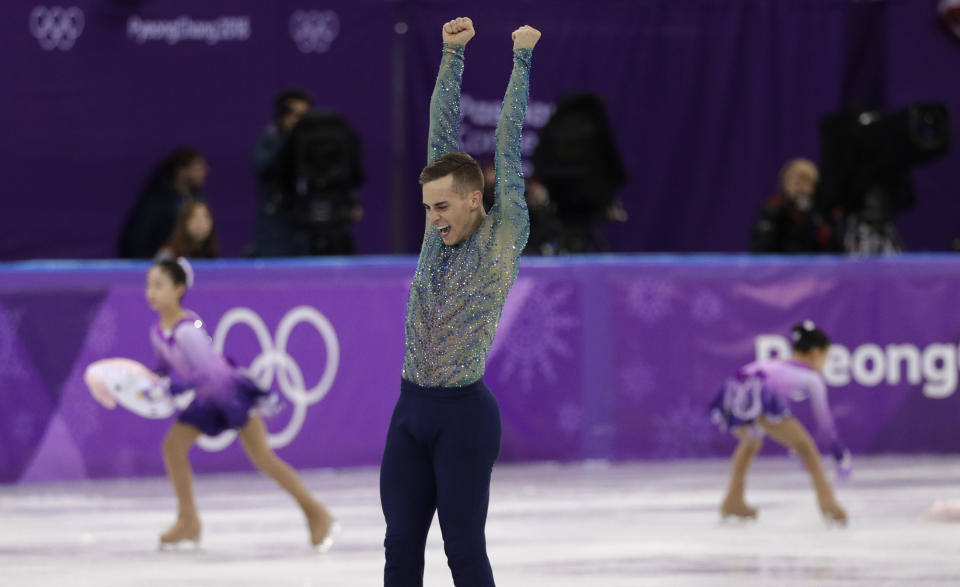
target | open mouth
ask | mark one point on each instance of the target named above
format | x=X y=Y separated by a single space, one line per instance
x=444 y=231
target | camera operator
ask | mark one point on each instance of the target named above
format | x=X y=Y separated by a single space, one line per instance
x=319 y=169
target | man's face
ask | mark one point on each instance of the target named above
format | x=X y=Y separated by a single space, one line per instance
x=296 y=108
x=798 y=186
x=448 y=211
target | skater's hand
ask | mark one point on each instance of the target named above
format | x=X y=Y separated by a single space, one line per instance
x=525 y=37
x=845 y=466
x=843 y=460
x=458 y=31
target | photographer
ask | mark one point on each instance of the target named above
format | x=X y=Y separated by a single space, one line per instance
x=579 y=165
x=318 y=170
x=276 y=234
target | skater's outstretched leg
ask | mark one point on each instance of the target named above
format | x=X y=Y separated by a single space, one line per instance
x=254 y=438
x=790 y=433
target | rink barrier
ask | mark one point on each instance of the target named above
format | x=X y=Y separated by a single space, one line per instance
x=599 y=357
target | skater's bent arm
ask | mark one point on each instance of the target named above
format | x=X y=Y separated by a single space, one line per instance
x=176 y=383
x=199 y=352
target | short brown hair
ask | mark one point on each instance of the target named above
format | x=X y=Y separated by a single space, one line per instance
x=467 y=176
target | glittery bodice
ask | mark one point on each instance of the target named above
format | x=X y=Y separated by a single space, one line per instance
x=458 y=291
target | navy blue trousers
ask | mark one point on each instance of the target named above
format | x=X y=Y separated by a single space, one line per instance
x=439 y=456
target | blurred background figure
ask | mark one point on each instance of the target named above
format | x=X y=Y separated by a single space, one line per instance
x=276 y=232
x=489 y=169
x=545 y=228
x=319 y=169
x=579 y=165
x=788 y=221
x=179 y=178
x=194 y=234
x=867 y=158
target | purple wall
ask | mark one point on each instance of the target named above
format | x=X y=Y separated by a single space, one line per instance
x=600 y=358
x=708 y=99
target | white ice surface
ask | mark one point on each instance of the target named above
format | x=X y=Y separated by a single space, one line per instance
x=592 y=525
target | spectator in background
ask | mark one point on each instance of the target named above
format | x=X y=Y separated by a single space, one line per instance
x=276 y=230
x=318 y=171
x=178 y=179
x=546 y=229
x=489 y=169
x=579 y=164
x=788 y=222
x=194 y=235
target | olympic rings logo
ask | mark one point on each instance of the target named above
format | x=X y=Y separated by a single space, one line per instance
x=56 y=27
x=275 y=364
x=314 y=31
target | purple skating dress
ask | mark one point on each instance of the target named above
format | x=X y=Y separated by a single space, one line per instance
x=223 y=394
x=766 y=388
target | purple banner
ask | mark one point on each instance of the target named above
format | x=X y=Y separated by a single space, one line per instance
x=604 y=358
x=707 y=100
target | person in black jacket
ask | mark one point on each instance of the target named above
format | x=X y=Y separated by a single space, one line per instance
x=788 y=222
x=179 y=178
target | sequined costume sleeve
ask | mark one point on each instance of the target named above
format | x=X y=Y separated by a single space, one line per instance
x=444 y=134
x=509 y=210
x=458 y=291
x=445 y=104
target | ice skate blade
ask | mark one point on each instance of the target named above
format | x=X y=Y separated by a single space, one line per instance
x=835 y=522
x=185 y=545
x=735 y=520
x=328 y=540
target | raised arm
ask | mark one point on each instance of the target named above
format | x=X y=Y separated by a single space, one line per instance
x=510 y=207
x=445 y=101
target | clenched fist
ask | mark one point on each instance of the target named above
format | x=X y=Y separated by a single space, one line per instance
x=458 y=31
x=525 y=37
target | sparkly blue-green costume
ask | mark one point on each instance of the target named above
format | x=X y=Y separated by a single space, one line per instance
x=458 y=291
x=444 y=435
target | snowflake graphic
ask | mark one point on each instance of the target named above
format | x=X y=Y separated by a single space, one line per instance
x=569 y=418
x=649 y=300
x=103 y=329
x=9 y=365
x=538 y=338
x=706 y=307
x=637 y=381
x=686 y=431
